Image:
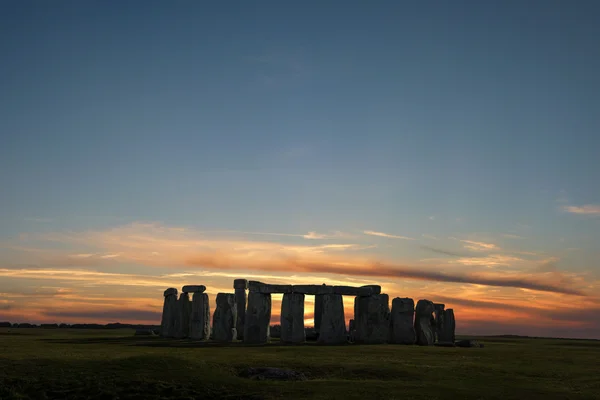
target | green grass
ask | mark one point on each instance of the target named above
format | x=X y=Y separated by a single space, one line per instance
x=114 y=364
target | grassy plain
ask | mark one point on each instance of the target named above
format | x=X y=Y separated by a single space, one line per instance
x=114 y=364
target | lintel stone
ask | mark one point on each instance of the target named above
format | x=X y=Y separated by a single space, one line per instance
x=312 y=289
x=265 y=288
x=193 y=289
x=352 y=291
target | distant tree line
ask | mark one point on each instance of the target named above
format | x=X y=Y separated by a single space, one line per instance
x=116 y=325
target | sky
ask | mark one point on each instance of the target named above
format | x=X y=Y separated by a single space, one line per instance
x=444 y=150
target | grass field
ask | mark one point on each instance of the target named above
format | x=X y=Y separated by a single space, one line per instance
x=114 y=364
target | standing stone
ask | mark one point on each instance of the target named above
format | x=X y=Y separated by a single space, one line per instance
x=372 y=319
x=424 y=329
x=438 y=312
x=318 y=313
x=258 y=318
x=292 y=318
x=240 y=286
x=225 y=318
x=333 y=323
x=376 y=289
x=169 y=315
x=351 y=330
x=446 y=332
x=200 y=319
x=402 y=330
x=184 y=308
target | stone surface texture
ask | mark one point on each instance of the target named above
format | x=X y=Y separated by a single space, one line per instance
x=265 y=288
x=225 y=318
x=240 y=302
x=258 y=318
x=240 y=284
x=170 y=291
x=372 y=319
x=438 y=314
x=402 y=329
x=352 y=291
x=184 y=309
x=193 y=289
x=169 y=314
x=200 y=318
x=333 y=323
x=318 y=315
x=292 y=318
x=447 y=328
x=313 y=289
x=424 y=329
x=375 y=288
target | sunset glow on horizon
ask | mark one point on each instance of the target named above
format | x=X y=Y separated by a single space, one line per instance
x=147 y=147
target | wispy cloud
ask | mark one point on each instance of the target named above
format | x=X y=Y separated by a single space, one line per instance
x=387 y=235
x=587 y=209
x=426 y=236
x=479 y=246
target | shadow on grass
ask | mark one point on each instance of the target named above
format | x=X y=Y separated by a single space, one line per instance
x=176 y=343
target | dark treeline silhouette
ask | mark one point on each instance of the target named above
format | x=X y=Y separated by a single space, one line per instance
x=115 y=325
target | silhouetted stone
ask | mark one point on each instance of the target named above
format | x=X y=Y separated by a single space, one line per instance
x=225 y=318
x=402 y=330
x=468 y=343
x=182 y=323
x=258 y=318
x=352 y=291
x=372 y=319
x=311 y=334
x=240 y=286
x=423 y=323
x=318 y=315
x=5 y=324
x=265 y=288
x=333 y=323
x=351 y=330
x=313 y=289
x=447 y=328
x=438 y=314
x=169 y=314
x=375 y=288
x=193 y=289
x=292 y=318
x=267 y=373
x=200 y=318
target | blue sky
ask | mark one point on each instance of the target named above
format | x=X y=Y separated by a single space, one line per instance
x=454 y=120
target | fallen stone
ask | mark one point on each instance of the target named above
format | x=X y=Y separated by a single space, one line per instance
x=423 y=323
x=447 y=326
x=240 y=301
x=402 y=330
x=375 y=288
x=372 y=319
x=200 y=318
x=265 y=288
x=225 y=318
x=144 y=332
x=169 y=314
x=258 y=318
x=292 y=318
x=268 y=373
x=333 y=323
x=469 y=343
x=184 y=309
x=240 y=284
x=193 y=289
x=352 y=291
x=313 y=289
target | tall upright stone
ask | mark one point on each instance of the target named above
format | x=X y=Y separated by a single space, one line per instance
x=240 y=286
x=318 y=314
x=447 y=327
x=258 y=318
x=200 y=319
x=372 y=318
x=333 y=323
x=292 y=318
x=184 y=309
x=225 y=318
x=438 y=313
x=424 y=321
x=402 y=330
x=169 y=314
